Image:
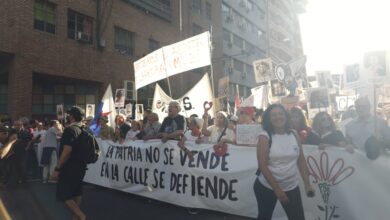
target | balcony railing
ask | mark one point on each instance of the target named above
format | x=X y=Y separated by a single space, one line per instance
x=154 y=7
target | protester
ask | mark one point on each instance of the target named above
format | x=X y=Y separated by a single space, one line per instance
x=121 y=128
x=258 y=115
x=191 y=134
x=325 y=127
x=151 y=128
x=359 y=130
x=36 y=149
x=174 y=124
x=106 y=132
x=88 y=121
x=6 y=165
x=300 y=125
x=347 y=117
x=49 y=152
x=147 y=112
x=217 y=131
x=233 y=120
x=132 y=133
x=70 y=170
x=23 y=150
x=279 y=156
x=246 y=115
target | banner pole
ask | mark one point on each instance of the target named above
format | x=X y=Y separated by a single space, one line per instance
x=169 y=87
x=211 y=63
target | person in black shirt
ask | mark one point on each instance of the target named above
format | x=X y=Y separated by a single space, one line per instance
x=70 y=169
x=324 y=125
x=174 y=124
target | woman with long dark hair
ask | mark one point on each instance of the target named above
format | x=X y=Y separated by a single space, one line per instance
x=300 y=125
x=325 y=127
x=280 y=156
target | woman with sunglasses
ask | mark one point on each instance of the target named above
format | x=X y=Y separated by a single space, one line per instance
x=280 y=157
x=325 y=127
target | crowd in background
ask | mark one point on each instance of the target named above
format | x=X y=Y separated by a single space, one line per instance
x=36 y=142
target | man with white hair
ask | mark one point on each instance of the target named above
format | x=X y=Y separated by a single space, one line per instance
x=174 y=124
x=365 y=126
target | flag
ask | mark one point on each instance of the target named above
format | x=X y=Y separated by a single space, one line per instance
x=248 y=102
x=105 y=107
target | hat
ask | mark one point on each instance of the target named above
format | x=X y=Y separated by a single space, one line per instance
x=76 y=111
x=247 y=110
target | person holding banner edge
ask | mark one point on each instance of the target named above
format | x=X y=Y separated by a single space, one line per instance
x=280 y=156
x=173 y=125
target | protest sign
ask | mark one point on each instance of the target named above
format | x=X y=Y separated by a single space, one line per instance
x=248 y=134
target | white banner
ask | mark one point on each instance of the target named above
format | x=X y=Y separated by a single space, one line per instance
x=348 y=186
x=185 y=55
x=191 y=103
x=150 y=68
x=188 y=54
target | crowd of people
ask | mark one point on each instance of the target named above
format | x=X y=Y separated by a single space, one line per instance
x=26 y=145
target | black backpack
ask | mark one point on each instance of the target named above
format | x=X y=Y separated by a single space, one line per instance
x=88 y=147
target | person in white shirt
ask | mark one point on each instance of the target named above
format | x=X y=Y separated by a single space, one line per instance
x=193 y=133
x=49 y=150
x=280 y=156
x=132 y=133
x=219 y=130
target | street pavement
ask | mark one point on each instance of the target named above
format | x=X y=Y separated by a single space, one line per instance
x=36 y=201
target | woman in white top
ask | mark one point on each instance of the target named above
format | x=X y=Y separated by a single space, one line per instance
x=191 y=134
x=279 y=159
x=217 y=130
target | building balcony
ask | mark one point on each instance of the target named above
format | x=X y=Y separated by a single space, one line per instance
x=154 y=7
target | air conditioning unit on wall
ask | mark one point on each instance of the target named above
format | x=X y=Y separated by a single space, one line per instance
x=83 y=37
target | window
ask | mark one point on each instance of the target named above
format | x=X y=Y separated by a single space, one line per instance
x=226 y=36
x=153 y=45
x=238 y=65
x=208 y=10
x=196 y=29
x=3 y=98
x=124 y=41
x=165 y=3
x=79 y=27
x=225 y=9
x=197 y=6
x=44 y=16
x=238 y=41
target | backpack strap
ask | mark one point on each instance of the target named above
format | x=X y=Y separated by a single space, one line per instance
x=258 y=171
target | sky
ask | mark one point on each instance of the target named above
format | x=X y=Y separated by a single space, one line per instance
x=338 y=32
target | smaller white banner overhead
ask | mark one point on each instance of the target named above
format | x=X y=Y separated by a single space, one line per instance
x=191 y=103
x=188 y=54
x=176 y=58
x=149 y=69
